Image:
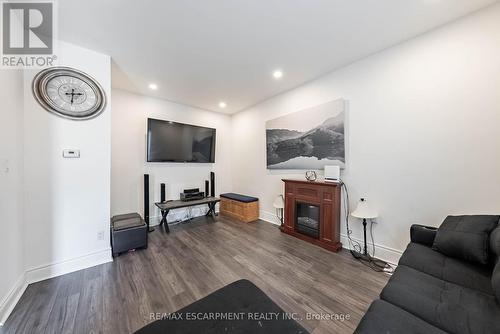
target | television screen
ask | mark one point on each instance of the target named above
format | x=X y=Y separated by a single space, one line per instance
x=176 y=142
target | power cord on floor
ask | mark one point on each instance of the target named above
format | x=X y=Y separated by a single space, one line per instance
x=355 y=247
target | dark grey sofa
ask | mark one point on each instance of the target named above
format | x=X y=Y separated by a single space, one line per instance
x=431 y=292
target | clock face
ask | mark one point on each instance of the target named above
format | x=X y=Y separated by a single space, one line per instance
x=69 y=93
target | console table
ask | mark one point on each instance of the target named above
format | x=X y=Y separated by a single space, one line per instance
x=165 y=207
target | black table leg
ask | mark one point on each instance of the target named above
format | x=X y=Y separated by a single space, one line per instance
x=211 y=210
x=164 y=214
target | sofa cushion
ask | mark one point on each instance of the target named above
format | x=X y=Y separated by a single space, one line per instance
x=495 y=251
x=466 y=237
x=495 y=245
x=470 y=275
x=495 y=281
x=448 y=306
x=383 y=317
x=423 y=234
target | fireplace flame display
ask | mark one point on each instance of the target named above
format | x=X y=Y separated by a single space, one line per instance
x=307 y=221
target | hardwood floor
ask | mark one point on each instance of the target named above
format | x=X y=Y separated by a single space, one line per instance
x=189 y=263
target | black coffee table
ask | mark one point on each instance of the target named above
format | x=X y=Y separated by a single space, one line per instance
x=165 y=207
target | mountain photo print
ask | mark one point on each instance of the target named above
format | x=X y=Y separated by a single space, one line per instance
x=307 y=139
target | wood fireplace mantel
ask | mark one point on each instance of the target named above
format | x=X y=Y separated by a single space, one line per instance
x=326 y=195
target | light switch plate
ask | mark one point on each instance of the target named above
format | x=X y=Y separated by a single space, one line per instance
x=71 y=154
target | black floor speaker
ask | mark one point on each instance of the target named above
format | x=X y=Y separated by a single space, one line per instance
x=162 y=192
x=146 y=202
x=212 y=184
x=206 y=188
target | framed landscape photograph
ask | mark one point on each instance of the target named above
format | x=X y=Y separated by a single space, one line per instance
x=307 y=139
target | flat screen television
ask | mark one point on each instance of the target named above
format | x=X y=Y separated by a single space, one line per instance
x=176 y=142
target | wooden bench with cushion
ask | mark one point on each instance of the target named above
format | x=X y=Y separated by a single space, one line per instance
x=239 y=207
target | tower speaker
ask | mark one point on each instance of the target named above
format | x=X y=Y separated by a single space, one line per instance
x=212 y=184
x=146 y=202
x=206 y=188
x=162 y=192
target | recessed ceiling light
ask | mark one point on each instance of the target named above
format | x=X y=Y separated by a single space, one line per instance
x=278 y=74
x=153 y=86
x=222 y=104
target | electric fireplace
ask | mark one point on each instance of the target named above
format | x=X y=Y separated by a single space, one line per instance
x=312 y=212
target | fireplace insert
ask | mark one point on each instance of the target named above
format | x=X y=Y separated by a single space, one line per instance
x=307 y=219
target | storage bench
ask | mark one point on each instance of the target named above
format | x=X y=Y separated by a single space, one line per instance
x=240 y=207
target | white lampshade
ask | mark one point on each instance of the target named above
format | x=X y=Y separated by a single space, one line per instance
x=279 y=203
x=363 y=210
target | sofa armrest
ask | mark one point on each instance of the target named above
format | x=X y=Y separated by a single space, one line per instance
x=423 y=234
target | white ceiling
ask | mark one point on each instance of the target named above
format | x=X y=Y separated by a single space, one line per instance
x=200 y=52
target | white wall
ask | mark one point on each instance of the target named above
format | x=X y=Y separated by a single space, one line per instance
x=423 y=138
x=129 y=125
x=67 y=201
x=11 y=189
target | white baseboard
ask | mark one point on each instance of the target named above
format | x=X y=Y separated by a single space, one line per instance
x=68 y=266
x=382 y=252
x=10 y=301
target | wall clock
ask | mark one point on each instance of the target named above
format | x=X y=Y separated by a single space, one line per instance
x=69 y=93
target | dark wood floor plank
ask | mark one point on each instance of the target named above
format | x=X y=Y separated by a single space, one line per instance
x=192 y=261
x=114 y=304
x=89 y=317
x=63 y=311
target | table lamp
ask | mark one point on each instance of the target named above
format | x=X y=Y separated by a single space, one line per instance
x=364 y=211
x=279 y=205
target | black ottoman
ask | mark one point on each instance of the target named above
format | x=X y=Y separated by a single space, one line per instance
x=237 y=308
x=128 y=231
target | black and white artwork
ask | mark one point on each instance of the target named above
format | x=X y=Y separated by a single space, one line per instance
x=307 y=139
